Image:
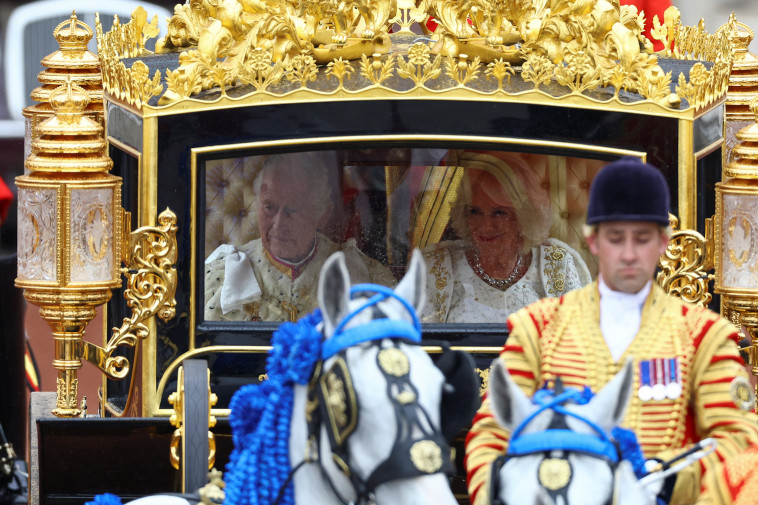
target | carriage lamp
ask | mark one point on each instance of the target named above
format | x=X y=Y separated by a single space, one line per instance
x=736 y=236
x=72 y=238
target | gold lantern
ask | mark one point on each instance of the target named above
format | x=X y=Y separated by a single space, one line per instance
x=72 y=239
x=736 y=235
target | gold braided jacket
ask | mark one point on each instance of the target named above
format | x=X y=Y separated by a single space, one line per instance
x=561 y=337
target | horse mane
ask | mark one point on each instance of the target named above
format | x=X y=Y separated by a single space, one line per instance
x=260 y=417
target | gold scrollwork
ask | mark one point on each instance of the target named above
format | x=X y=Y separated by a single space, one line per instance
x=684 y=267
x=35 y=232
x=485 y=376
x=151 y=287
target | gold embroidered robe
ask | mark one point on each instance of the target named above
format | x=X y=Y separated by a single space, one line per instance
x=283 y=296
x=561 y=337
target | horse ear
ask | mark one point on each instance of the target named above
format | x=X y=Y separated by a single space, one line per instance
x=610 y=403
x=333 y=291
x=412 y=287
x=509 y=403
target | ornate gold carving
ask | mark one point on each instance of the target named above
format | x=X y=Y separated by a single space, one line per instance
x=151 y=286
x=426 y=456
x=132 y=85
x=394 y=362
x=554 y=474
x=71 y=63
x=213 y=492
x=743 y=79
x=694 y=43
x=685 y=264
x=278 y=48
x=485 y=376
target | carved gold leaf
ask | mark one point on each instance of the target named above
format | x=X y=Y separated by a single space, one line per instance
x=684 y=267
x=264 y=42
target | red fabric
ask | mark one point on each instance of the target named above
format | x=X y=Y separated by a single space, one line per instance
x=651 y=8
x=6 y=197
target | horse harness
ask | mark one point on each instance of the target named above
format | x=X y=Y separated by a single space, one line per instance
x=419 y=448
x=555 y=473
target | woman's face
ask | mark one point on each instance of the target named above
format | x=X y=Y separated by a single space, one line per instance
x=491 y=218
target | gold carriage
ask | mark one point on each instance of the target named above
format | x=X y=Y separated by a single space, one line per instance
x=387 y=107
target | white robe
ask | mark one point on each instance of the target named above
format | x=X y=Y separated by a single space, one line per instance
x=243 y=284
x=455 y=294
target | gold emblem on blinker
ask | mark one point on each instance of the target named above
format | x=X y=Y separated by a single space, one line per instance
x=426 y=456
x=554 y=473
x=742 y=393
x=394 y=362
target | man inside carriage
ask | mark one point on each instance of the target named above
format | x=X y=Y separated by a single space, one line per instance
x=689 y=379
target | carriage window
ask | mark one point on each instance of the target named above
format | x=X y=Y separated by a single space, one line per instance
x=497 y=229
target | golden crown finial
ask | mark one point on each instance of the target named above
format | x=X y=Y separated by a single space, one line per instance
x=72 y=34
x=739 y=34
x=69 y=100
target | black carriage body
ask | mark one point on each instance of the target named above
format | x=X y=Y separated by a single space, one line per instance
x=162 y=157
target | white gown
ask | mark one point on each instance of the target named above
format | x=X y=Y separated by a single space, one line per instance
x=455 y=294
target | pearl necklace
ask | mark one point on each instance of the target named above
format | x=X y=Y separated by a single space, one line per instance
x=501 y=284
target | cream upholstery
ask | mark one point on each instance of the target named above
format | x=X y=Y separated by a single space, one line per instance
x=230 y=210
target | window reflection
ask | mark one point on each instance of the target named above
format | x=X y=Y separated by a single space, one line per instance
x=498 y=229
x=274 y=276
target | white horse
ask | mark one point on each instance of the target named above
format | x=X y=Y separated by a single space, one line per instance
x=396 y=453
x=366 y=424
x=562 y=450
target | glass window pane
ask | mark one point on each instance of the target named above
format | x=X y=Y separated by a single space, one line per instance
x=497 y=229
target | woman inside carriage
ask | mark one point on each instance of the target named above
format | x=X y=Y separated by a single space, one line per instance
x=503 y=258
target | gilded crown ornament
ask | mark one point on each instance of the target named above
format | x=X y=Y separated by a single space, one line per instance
x=743 y=80
x=74 y=63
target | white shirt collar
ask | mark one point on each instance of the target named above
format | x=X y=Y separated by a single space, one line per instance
x=618 y=297
x=620 y=316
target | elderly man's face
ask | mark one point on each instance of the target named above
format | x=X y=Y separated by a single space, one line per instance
x=288 y=217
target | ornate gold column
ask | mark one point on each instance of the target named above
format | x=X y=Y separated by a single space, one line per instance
x=736 y=235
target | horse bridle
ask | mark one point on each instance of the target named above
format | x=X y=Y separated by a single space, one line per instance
x=555 y=474
x=419 y=448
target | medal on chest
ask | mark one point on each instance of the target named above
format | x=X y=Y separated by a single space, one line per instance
x=660 y=379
